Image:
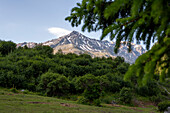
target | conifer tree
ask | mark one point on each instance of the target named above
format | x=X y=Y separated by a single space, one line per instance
x=129 y=20
x=154 y=64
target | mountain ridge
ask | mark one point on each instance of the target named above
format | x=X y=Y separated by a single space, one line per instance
x=78 y=43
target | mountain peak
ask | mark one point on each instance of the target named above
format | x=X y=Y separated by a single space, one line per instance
x=74 y=33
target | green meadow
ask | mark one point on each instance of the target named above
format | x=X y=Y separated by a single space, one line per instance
x=31 y=103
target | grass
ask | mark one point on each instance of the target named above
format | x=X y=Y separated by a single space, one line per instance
x=26 y=103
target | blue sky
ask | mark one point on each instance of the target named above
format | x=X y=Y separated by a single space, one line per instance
x=36 y=20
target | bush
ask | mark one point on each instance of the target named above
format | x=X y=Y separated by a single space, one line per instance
x=14 y=90
x=25 y=91
x=92 y=92
x=143 y=90
x=162 y=106
x=108 y=99
x=114 y=87
x=150 y=89
x=86 y=101
x=92 y=87
x=73 y=97
x=54 y=84
x=97 y=102
x=157 y=99
x=83 y=100
x=125 y=95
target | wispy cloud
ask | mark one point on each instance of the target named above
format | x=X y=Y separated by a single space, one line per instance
x=58 y=31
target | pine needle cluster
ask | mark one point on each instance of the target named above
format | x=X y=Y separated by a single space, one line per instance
x=124 y=20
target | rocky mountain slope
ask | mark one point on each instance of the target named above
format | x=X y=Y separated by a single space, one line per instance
x=77 y=43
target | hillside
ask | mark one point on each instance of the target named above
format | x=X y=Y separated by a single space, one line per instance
x=26 y=103
x=81 y=78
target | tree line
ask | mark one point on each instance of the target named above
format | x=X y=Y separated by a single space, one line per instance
x=39 y=70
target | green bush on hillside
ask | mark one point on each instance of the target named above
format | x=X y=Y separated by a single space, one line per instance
x=126 y=95
x=150 y=89
x=54 y=84
x=162 y=106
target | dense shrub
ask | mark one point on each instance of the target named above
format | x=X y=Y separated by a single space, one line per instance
x=108 y=99
x=92 y=86
x=157 y=99
x=6 y=47
x=83 y=100
x=97 y=102
x=114 y=87
x=25 y=91
x=143 y=90
x=54 y=84
x=9 y=79
x=14 y=90
x=162 y=106
x=126 y=95
x=150 y=89
x=92 y=92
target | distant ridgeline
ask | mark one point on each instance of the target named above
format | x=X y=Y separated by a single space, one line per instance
x=79 y=44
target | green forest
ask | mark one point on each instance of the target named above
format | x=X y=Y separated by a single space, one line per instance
x=81 y=78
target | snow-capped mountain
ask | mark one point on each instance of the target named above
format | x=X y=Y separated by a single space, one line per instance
x=28 y=44
x=77 y=43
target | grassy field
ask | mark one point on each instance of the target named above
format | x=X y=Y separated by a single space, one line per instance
x=26 y=103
